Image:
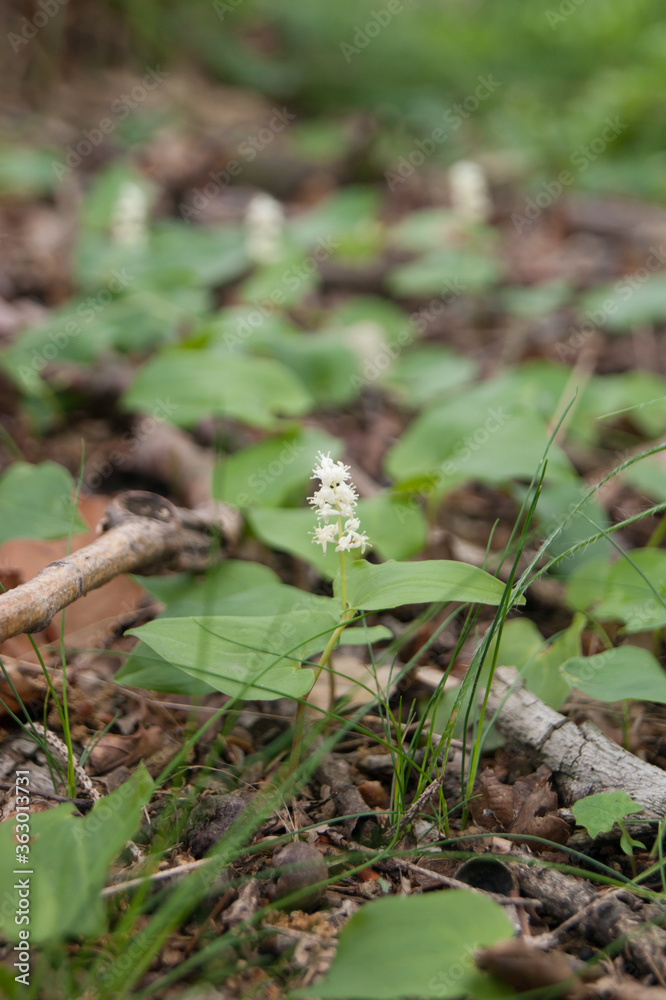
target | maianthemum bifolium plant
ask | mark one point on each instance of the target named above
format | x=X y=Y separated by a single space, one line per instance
x=267 y=655
x=262 y=649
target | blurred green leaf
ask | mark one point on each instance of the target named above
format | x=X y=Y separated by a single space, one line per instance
x=423 y=374
x=199 y=384
x=246 y=656
x=26 y=172
x=600 y=812
x=437 y=272
x=627 y=303
x=616 y=590
x=36 y=502
x=391 y=584
x=269 y=472
x=69 y=860
x=370 y=959
x=618 y=673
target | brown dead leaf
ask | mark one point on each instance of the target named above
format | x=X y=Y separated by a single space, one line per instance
x=113 y=750
x=15 y=680
x=525 y=968
x=538 y=818
x=374 y=794
x=528 y=806
x=494 y=807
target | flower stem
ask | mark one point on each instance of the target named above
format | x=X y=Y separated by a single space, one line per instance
x=343 y=573
x=299 y=722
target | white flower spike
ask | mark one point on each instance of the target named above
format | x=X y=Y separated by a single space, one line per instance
x=336 y=499
x=264 y=225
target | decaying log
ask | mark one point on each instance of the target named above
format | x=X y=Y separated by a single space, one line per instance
x=582 y=759
x=141 y=533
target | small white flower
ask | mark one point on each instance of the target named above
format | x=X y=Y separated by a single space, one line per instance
x=469 y=191
x=331 y=473
x=336 y=500
x=344 y=544
x=130 y=214
x=264 y=224
x=325 y=533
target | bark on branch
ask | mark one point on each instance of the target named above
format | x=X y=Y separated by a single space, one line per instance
x=141 y=533
x=581 y=758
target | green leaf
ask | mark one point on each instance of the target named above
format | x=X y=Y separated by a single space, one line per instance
x=425 y=229
x=424 y=374
x=648 y=476
x=598 y=813
x=428 y=275
x=395 y=524
x=392 y=583
x=622 y=310
x=26 y=171
x=248 y=656
x=416 y=946
x=396 y=528
x=489 y=432
x=364 y=636
x=627 y=843
x=70 y=857
x=326 y=365
x=522 y=646
x=85 y=327
x=369 y=311
x=557 y=502
x=633 y=594
x=269 y=472
x=641 y=398
x=345 y=224
x=201 y=384
x=291 y=531
x=537 y=301
x=187 y=594
x=619 y=673
x=36 y=502
x=234 y=588
x=287 y=281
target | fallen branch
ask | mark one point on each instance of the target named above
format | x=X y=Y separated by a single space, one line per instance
x=603 y=917
x=141 y=533
x=582 y=759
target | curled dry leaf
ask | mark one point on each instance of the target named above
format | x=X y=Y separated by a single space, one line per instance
x=113 y=750
x=525 y=968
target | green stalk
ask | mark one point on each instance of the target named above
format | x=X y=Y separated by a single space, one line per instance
x=299 y=723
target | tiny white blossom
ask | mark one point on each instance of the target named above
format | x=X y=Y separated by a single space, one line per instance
x=130 y=215
x=336 y=499
x=469 y=191
x=331 y=473
x=325 y=533
x=264 y=224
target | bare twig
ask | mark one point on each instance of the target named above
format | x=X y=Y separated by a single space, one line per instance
x=134 y=883
x=57 y=744
x=141 y=533
x=582 y=758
